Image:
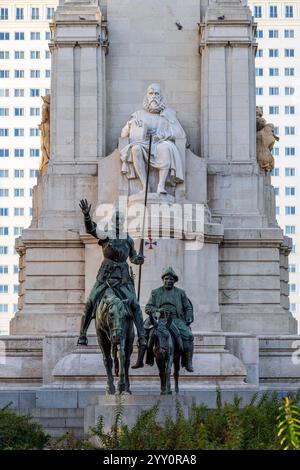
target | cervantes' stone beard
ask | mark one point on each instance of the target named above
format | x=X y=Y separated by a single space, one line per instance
x=154 y=106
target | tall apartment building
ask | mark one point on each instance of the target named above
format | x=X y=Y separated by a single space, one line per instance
x=24 y=78
x=278 y=94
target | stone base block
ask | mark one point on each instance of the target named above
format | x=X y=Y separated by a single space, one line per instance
x=131 y=407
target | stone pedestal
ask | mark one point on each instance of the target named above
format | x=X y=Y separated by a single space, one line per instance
x=131 y=407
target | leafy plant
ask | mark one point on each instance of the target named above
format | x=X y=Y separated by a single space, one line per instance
x=19 y=432
x=289 y=425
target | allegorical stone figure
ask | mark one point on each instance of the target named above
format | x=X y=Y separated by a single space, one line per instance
x=169 y=300
x=156 y=119
x=265 y=140
x=113 y=274
x=45 y=134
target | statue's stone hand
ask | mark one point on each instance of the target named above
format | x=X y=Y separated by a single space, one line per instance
x=85 y=207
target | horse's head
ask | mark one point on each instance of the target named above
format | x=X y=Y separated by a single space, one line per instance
x=114 y=310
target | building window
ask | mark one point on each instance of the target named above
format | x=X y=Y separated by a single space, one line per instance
x=273 y=11
x=273 y=72
x=273 y=33
x=290 y=210
x=292 y=288
x=277 y=210
x=4 y=231
x=35 y=74
x=19 y=173
x=4 y=192
x=275 y=172
x=30 y=212
x=16 y=269
x=4 y=132
x=47 y=91
x=4 y=55
x=3 y=250
x=19 y=36
x=289 y=91
x=34 y=111
x=259 y=91
x=19 y=132
x=4 y=73
x=47 y=54
x=19 y=153
x=4 y=173
x=289 y=33
x=19 y=55
x=18 y=231
x=289 y=52
x=290 y=172
x=275 y=150
x=4 y=93
x=4 y=36
x=3 y=289
x=3 y=269
x=290 y=151
x=34 y=92
x=47 y=73
x=289 y=109
x=4 y=111
x=19 y=92
x=19 y=74
x=34 y=152
x=3 y=308
x=35 y=55
x=50 y=13
x=4 y=211
x=290 y=191
x=19 y=211
x=257 y=11
x=35 y=36
x=289 y=130
x=289 y=72
x=3 y=13
x=35 y=13
x=290 y=230
x=273 y=109
x=259 y=72
x=274 y=91
x=273 y=53
x=259 y=34
x=289 y=11
x=19 y=192
x=19 y=112
x=33 y=173
x=19 y=13
x=34 y=132
x=292 y=268
x=276 y=191
x=4 y=153
x=293 y=307
x=47 y=36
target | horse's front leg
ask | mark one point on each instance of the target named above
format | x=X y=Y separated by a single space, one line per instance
x=105 y=347
x=121 y=355
x=176 y=371
x=169 y=363
x=128 y=352
x=162 y=374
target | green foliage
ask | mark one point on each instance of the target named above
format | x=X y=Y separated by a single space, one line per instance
x=288 y=425
x=19 y=432
x=231 y=426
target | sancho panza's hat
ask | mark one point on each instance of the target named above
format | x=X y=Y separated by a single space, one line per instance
x=169 y=272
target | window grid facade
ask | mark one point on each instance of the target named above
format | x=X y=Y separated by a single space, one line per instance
x=24 y=77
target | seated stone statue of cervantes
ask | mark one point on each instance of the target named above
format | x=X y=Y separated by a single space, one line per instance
x=157 y=119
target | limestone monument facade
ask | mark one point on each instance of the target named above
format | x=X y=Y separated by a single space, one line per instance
x=104 y=57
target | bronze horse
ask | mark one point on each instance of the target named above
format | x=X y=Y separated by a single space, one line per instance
x=166 y=352
x=115 y=334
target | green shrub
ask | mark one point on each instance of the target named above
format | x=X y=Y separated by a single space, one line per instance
x=288 y=425
x=230 y=426
x=19 y=432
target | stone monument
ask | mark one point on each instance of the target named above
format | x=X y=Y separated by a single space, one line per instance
x=104 y=57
